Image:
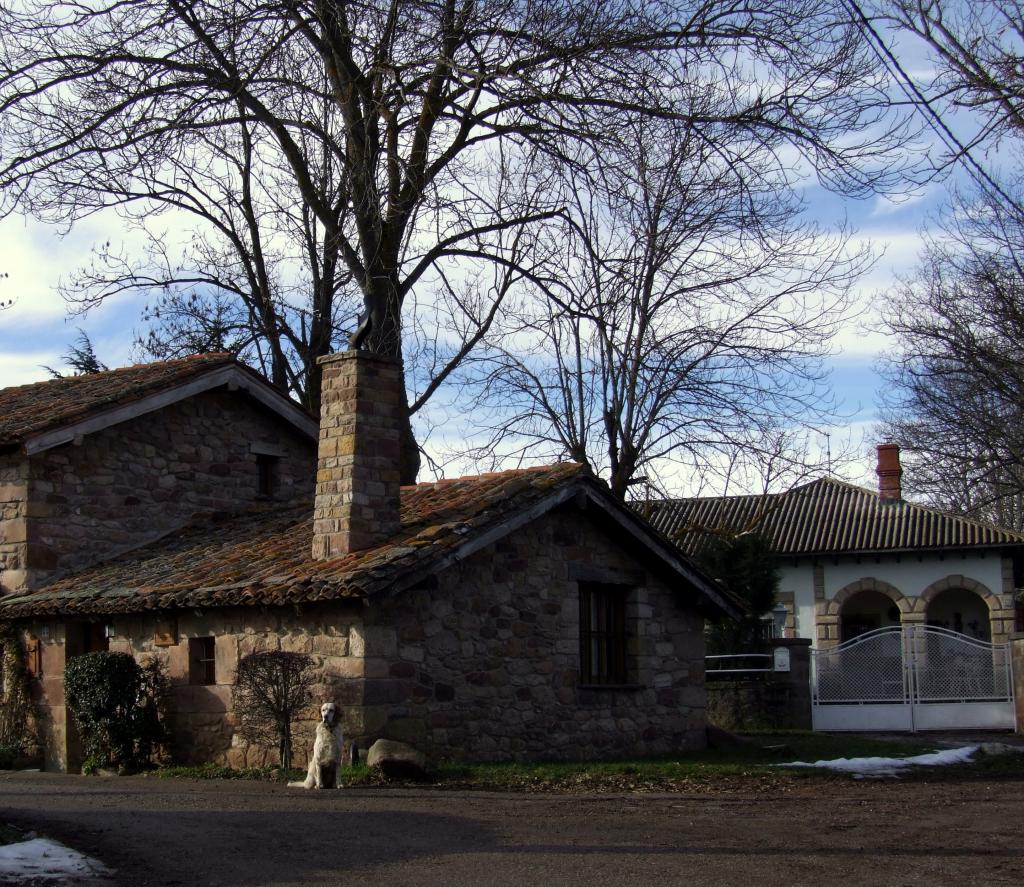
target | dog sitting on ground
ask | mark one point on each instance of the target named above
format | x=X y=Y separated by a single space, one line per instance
x=326 y=758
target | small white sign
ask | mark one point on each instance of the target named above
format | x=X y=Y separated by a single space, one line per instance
x=781 y=659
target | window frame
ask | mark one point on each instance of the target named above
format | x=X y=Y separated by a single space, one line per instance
x=202 y=661
x=603 y=658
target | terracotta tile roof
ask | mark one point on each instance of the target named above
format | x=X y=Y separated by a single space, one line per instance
x=31 y=409
x=825 y=516
x=264 y=557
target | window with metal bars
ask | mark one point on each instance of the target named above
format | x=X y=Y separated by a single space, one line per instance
x=602 y=633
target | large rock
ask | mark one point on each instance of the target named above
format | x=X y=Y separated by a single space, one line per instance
x=396 y=760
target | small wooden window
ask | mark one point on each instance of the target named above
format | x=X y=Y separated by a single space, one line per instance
x=267 y=474
x=602 y=633
x=202 y=661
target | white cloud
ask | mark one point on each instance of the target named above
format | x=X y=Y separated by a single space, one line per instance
x=889 y=205
x=36 y=329
x=35 y=257
x=26 y=367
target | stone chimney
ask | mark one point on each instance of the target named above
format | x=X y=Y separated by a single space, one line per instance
x=889 y=473
x=357 y=478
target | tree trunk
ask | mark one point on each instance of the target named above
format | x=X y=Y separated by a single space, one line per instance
x=286 y=754
x=380 y=331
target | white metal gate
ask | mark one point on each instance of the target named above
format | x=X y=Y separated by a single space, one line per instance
x=914 y=677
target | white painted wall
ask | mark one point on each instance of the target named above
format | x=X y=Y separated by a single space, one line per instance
x=800 y=581
x=911 y=574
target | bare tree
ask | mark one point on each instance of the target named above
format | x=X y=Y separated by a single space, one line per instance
x=977 y=48
x=409 y=131
x=271 y=689
x=254 y=276
x=687 y=310
x=955 y=401
x=956 y=393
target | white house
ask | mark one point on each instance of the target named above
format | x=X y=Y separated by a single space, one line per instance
x=853 y=559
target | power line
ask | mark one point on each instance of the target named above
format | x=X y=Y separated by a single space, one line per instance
x=919 y=99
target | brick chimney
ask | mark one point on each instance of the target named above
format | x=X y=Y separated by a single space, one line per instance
x=889 y=473
x=357 y=478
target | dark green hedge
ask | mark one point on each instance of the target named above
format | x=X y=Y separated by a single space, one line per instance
x=115 y=709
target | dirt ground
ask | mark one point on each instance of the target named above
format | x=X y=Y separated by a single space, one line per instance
x=798 y=832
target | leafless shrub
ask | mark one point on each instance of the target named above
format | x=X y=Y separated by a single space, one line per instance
x=271 y=688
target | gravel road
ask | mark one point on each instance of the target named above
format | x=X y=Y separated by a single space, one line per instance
x=803 y=832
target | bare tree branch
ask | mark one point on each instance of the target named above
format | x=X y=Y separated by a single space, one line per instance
x=693 y=314
x=322 y=145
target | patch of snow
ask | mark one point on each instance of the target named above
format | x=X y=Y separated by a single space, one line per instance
x=41 y=859
x=861 y=767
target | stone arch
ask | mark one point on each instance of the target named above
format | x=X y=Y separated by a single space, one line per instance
x=999 y=624
x=829 y=612
x=868 y=583
x=964 y=582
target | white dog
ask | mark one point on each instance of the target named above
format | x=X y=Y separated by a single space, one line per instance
x=326 y=758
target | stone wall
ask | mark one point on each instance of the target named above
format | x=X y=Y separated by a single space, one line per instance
x=1017 y=664
x=774 y=700
x=44 y=643
x=487 y=665
x=134 y=482
x=203 y=723
x=13 y=514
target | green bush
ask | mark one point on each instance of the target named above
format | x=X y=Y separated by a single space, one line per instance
x=115 y=709
x=746 y=565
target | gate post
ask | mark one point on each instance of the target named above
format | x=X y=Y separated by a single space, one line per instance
x=796 y=680
x=1017 y=665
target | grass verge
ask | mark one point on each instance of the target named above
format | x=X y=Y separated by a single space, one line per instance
x=745 y=767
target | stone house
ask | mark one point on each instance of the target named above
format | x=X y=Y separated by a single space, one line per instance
x=521 y=614
x=853 y=560
x=91 y=466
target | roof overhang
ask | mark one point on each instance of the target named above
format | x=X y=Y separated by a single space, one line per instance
x=233 y=376
x=922 y=551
